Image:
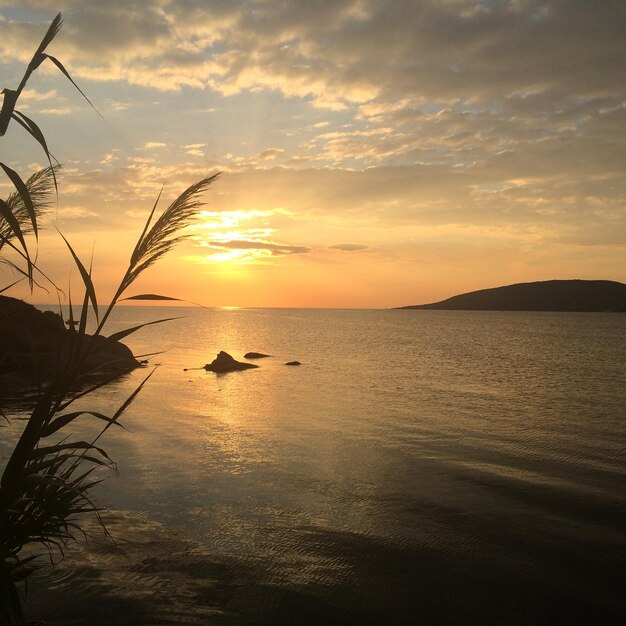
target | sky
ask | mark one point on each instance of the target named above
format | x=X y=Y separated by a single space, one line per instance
x=374 y=153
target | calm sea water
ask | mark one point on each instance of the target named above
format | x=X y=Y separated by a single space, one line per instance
x=419 y=467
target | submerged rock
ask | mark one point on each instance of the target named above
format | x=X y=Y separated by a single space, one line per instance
x=293 y=363
x=225 y=363
x=255 y=355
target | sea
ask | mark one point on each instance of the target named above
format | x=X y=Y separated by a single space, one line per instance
x=418 y=467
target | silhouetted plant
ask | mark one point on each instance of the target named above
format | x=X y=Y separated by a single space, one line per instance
x=45 y=487
x=39 y=188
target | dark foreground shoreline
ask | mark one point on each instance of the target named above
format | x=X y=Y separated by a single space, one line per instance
x=156 y=575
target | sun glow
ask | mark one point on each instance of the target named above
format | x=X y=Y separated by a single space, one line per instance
x=220 y=220
x=239 y=257
x=236 y=237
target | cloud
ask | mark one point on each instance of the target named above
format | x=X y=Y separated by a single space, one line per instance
x=551 y=197
x=274 y=248
x=109 y=158
x=414 y=126
x=349 y=247
x=332 y=52
x=74 y=213
x=33 y=95
x=195 y=149
x=57 y=111
x=525 y=63
x=268 y=155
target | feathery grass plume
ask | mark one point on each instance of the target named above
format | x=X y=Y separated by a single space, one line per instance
x=40 y=188
x=164 y=234
x=23 y=208
x=39 y=57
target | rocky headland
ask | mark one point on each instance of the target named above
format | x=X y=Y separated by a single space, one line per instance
x=34 y=344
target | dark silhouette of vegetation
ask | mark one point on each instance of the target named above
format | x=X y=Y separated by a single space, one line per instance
x=47 y=480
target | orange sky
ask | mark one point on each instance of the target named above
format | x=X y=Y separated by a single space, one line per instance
x=374 y=154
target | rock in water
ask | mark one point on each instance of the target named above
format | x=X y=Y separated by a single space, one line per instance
x=225 y=363
x=35 y=344
x=293 y=363
x=255 y=355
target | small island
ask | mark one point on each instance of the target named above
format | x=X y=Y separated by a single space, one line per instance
x=550 y=295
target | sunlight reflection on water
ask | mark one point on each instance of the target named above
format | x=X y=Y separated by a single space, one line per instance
x=408 y=450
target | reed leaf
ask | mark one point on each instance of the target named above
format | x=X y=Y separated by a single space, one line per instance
x=129 y=331
x=24 y=274
x=19 y=280
x=25 y=205
x=67 y=74
x=40 y=466
x=85 y=275
x=14 y=225
x=63 y=420
x=35 y=132
x=126 y=404
x=74 y=445
x=11 y=96
x=89 y=390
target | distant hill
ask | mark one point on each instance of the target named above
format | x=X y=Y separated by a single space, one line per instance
x=549 y=295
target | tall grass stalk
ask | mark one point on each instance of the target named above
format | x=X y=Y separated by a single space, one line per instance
x=46 y=484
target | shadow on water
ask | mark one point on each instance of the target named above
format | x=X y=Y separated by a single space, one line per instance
x=18 y=399
x=155 y=575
